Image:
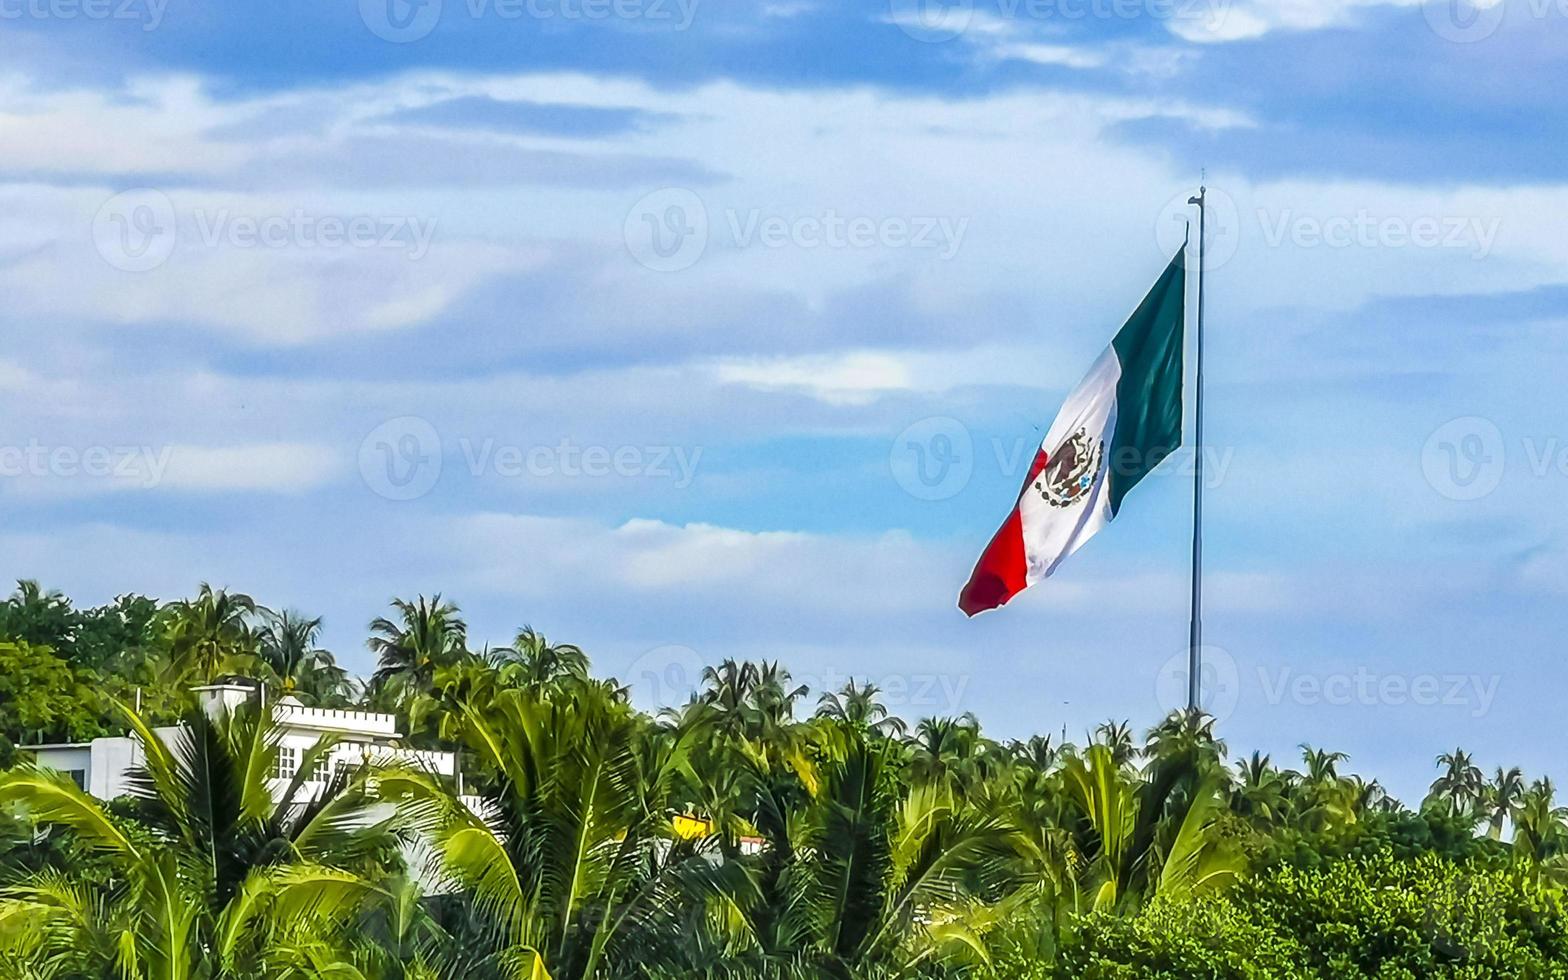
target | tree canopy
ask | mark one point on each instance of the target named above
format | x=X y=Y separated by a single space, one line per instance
x=762 y=830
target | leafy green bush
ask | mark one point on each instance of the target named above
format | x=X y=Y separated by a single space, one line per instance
x=1377 y=916
x=1403 y=834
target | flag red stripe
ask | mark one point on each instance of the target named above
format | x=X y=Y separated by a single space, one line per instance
x=1001 y=571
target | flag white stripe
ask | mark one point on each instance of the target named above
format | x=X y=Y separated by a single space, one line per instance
x=1052 y=528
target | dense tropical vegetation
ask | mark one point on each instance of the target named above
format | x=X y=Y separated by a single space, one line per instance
x=752 y=833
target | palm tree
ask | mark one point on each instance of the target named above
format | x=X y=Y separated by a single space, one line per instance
x=1500 y=799
x=1320 y=798
x=426 y=636
x=1187 y=733
x=399 y=939
x=534 y=662
x=1364 y=796
x=290 y=657
x=943 y=749
x=39 y=617
x=577 y=847
x=1123 y=838
x=772 y=697
x=750 y=698
x=1116 y=736
x=1322 y=766
x=1460 y=786
x=1037 y=753
x=1541 y=827
x=223 y=875
x=728 y=686
x=880 y=878
x=1261 y=791
x=210 y=636
x=859 y=707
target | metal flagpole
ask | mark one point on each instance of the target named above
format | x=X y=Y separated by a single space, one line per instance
x=1195 y=637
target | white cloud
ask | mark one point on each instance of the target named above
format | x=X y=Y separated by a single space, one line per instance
x=1050 y=54
x=13 y=376
x=273 y=270
x=37 y=467
x=786 y=9
x=871 y=575
x=875 y=574
x=995 y=166
x=859 y=377
x=1239 y=20
x=280 y=467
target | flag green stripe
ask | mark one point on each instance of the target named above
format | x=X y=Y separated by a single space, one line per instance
x=1148 y=395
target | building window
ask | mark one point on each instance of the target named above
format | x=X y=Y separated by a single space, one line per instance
x=320 y=770
x=78 y=776
x=286 y=763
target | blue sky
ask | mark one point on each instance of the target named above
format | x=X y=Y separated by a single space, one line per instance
x=687 y=329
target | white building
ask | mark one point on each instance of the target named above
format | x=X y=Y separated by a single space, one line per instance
x=102 y=766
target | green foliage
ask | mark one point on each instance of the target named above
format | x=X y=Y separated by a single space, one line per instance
x=210 y=872
x=43 y=699
x=733 y=838
x=1403 y=834
x=1367 y=917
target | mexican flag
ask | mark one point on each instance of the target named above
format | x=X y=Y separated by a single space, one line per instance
x=1116 y=426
